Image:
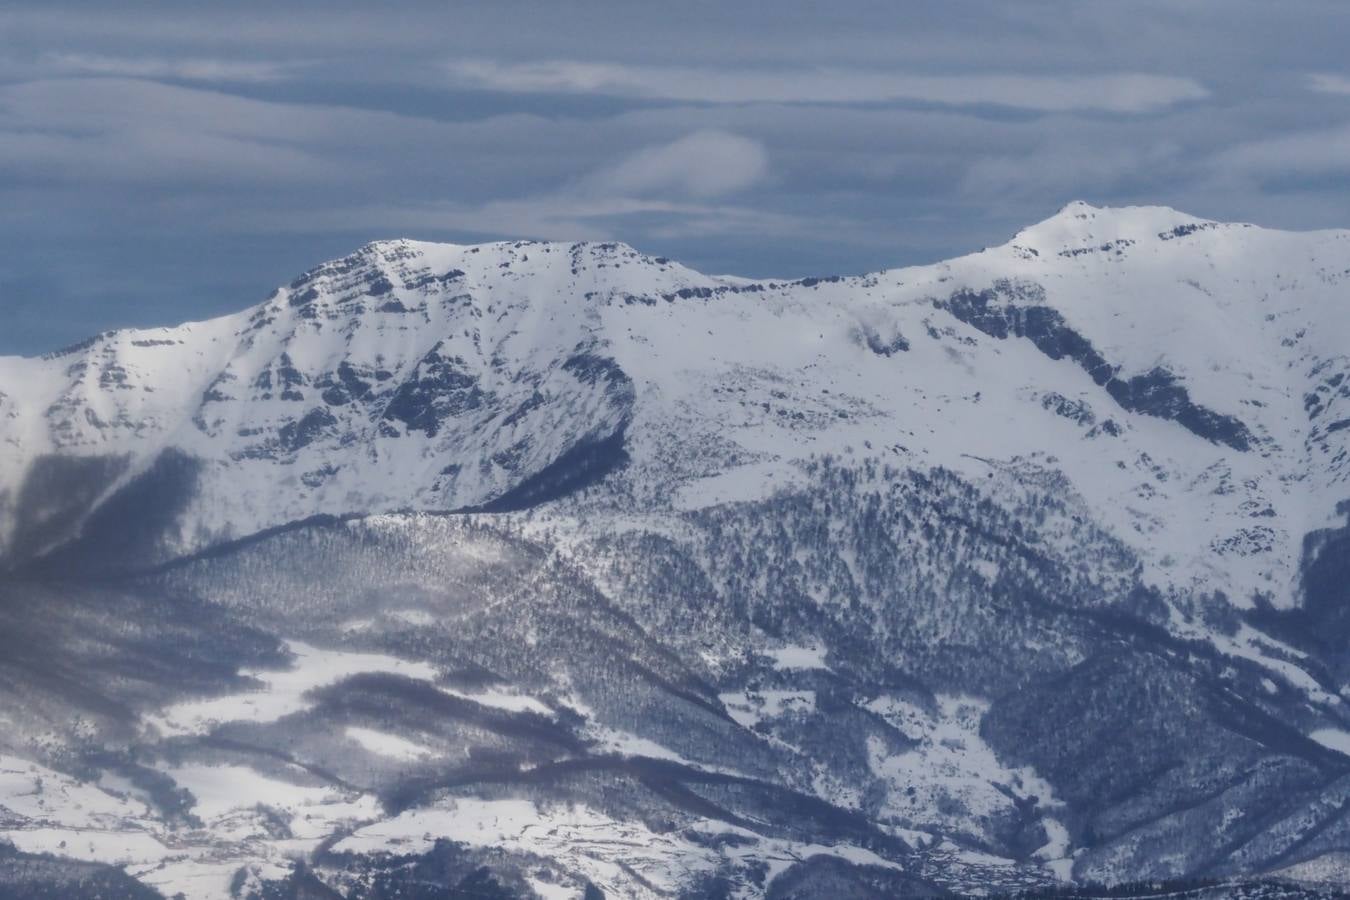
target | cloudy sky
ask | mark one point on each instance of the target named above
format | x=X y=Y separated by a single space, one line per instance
x=167 y=162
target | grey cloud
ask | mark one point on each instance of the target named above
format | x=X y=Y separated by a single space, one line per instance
x=559 y=216
x=1067 y=168
x=87 y=128
x=648 y=184
x=115 y=131
x=1306 y=154
x=158 y=156
x=578 y=182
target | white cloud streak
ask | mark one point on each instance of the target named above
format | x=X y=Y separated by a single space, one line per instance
x=1115 y=93
x=186 y=69
x=702 y=164
x=671 y=182
x=553 y=216
x=1329 y=83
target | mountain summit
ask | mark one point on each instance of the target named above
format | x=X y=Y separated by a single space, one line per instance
x=547 y=569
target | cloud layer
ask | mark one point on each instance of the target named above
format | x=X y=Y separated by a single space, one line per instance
x=160 y=162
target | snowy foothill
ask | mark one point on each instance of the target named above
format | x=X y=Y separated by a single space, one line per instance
x=624 y=859
x=951 y=767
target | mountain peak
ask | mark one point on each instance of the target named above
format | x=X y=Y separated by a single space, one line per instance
x=1080 y=226
x=1082 y=211
x=397 y=275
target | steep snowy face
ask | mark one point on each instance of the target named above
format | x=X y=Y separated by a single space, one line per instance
x=1186 y=378
x=1231 y=334
x=406 y=375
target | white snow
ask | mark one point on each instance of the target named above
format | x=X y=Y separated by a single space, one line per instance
x=381 y=743
x=604 y=850
x=1055 y=852
x=501 y=699
x=225 y=790
x=550 y=891
x=417 y=617
x=612 y=740
x=118 y=847
x=1276 y=657
x=748 y=708
x=283 y=693
x=1333 y=738
x=793 y=657
x=1332 y=869
x=952 y=780
x=199 y=876
x=37 y=792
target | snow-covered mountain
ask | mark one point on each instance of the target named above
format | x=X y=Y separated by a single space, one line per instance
x=1050 y=537
x=1186 y=376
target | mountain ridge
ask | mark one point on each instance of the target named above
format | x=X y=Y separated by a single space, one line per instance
x=398 y=314
x=1061 y=221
